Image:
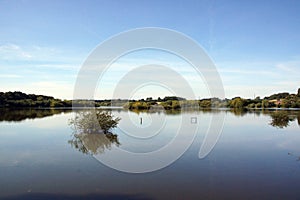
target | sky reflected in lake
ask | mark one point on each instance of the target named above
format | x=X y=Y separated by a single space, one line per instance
x=254 y=157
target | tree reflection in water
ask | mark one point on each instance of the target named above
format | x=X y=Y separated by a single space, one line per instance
x=92 y=133
x=19 y=114
x=93 y=143
x=281 y=119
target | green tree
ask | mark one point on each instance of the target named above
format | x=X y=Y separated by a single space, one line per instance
x=278 y=96
x=167 y=104
x=265 y=103
x=257 y=99
x=175 y=105
x=237 y=102
x=56 y=103
x=258 y=105
x=205 y=103
x=251 y=105
x=291 y=101
x=94 y=121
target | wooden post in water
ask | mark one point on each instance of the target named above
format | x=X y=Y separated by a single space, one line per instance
x=141 y=120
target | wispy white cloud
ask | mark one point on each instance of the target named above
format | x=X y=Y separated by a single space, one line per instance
x=246 y=71
x=13 y=51
x=33 y=54
x=289 y=66
x=59 y=66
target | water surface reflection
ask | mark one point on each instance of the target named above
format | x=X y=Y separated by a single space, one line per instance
x=93 y=143
x=254 y=158
x=16 y=115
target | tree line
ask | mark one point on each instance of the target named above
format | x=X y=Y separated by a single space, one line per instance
x=20 y=99
x=279 y=100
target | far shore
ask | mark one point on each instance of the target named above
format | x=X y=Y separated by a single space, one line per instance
x=279 y=101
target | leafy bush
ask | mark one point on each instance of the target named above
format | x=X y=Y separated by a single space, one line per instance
x=94 y=121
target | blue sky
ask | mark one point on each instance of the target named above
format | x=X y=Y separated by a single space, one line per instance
x=254 y=44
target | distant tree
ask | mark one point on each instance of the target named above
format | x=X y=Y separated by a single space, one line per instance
x=175 y=105
x=237 y=102
x=258 y=105
x=278 y=96
x=167 y=104
x=257 y=99
x=205 y=103
x=173 y=98
x=298 y=94
x=251 y=105
x=194 y=104
x=56 y=103
x=291 y=101
x=140 y=105
x=265 y=103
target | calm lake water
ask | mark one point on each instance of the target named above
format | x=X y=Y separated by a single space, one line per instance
x=256 y=157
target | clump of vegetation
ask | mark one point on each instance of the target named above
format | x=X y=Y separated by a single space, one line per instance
x=171 y=104
x=92 y=131
x=98 y=121
x=139 y=105
x=237 y=102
